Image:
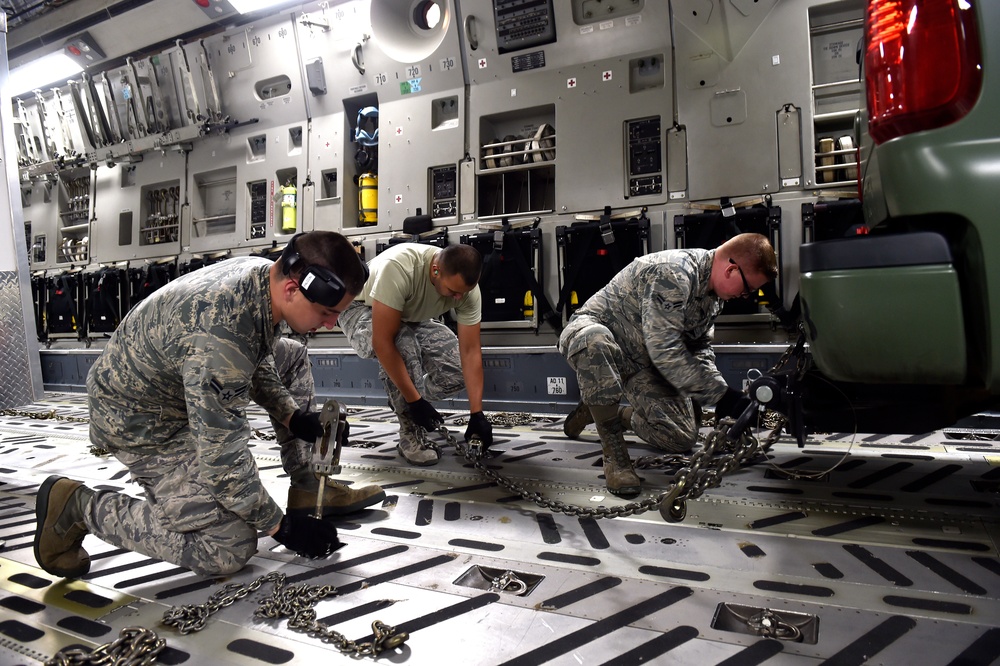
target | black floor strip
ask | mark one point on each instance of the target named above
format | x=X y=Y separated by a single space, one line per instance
x=777 y=520
x=150 y=578
x=594 y=534
x=867 y=646
x=20 y=632
x=356 y=612
x=958 y=503
x=946 y=572
x=21 y=605
x=83 y=626
x=952 y=544
x=464 y=489
x=29 y=521
x=437 y=617
x=526 y=456
x=110 y=571
x=425 y=512
x=592 y=632
x=880 y=475
x=930 y=479
x=260 y=651
x=752 y=550
x=792 y=588
x=19 y=514
x=991 y=564
x=529 y=445
x=567 y=558
x=549 y=529
x=581 y=593
x=878 y=566
x=654 y=648
x=589 y=454
x=868 y=497
x=778 y=490
x=114 y=552
x=476 y=545
x=396 y=534
x=907 y=456
x=668 y=572
x=337 y=566
x=848 y=465
x=395 y=573
x=20 y=535
x=918 y=603
x=754 y=654
x=827 y=570
x=400 y=484
x=849 y=526
x=984 y=650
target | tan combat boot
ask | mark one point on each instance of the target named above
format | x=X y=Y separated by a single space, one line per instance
x=338 y=499
x=619 y=475
x=60 y=506
x=411 y=445
x=577 y=420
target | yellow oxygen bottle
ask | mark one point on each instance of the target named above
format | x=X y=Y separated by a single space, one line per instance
x=367 y=199
x=288 y=224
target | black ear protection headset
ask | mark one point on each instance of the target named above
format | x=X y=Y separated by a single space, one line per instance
x=318 y=284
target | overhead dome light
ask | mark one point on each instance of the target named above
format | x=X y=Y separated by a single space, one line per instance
x=51 y=68
x=249 y=6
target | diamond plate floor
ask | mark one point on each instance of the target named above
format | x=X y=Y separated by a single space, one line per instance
x=890 y=558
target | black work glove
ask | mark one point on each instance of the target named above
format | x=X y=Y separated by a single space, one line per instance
x=732 y=404
x=307 y=536
x=306 y=425
x=424 y=414
x=480 y=425
x=346 y=434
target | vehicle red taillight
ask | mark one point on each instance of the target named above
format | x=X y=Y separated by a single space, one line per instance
x=923 y=65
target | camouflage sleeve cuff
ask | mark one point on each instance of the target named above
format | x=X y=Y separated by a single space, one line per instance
x=268 y=516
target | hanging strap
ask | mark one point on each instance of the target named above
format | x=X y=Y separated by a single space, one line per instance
x=542 y=306
x=603 y=229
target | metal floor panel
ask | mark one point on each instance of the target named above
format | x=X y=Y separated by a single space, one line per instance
x=891 y=555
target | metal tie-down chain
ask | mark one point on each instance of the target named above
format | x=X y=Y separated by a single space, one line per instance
x=702 y=470
x=295 y=602
x=137 y=646
x=43 y=416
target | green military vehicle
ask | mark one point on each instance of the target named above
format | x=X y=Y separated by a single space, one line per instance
x=907 y=318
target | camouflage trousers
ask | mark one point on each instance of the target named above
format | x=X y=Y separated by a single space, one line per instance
x=662 y=417
x=291 y=360
x=180 y=521
x=429 y=350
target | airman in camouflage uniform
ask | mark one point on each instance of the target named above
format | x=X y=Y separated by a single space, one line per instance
x=420 y=359
x=646 y=336
x=168 y=398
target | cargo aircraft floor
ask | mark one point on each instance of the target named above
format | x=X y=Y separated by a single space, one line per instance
x=889 y=558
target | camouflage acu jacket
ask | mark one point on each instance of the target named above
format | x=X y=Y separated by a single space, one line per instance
x=661 y=312
x=181 y=369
